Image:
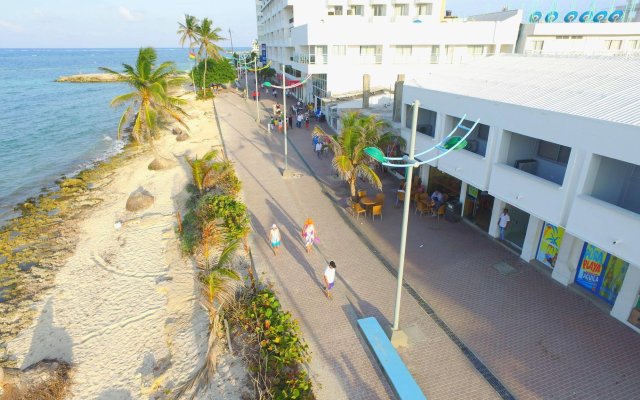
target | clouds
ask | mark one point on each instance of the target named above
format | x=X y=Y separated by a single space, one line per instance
x=10 y=26
x=129 y=15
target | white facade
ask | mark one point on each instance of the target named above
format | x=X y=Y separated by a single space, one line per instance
x=581 y=133
x=580 y=38
x=338 y=41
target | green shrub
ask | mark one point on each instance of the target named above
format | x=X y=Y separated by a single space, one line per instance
x=190 y=236
x=218 y=71
x=227 y=208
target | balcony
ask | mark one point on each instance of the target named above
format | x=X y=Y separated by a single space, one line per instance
x=543 y=159
x=528 y=192
x=607 y=226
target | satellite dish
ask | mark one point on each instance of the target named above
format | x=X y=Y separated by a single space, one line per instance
x=586 y=16
x=616 y=16
x=551 y=16
x=535 y=17
x=601 y=16
x=571 y=16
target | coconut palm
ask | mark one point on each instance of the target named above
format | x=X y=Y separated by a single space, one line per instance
x=149 y=104
x=201 y=167
x=207 y=37
x=358 y=132
x=187 y=31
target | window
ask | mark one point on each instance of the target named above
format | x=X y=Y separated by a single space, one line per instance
x=613 y=44
x=476 y=50
x=355 y=10
x=554 y=152
x=371 y=54
x=401 y=10
x=634 y=45
x=538 y=45
x=403 y=51
x=424 y=9
x=379 y=10
x=339 y=51
x=337 y=10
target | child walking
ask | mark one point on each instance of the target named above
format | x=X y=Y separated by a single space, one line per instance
x=329 y=278
x=274 y=238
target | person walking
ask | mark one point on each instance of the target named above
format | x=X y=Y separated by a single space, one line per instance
x=290 y=118
x=329 y=278
x=503 y=222
x=299 y=120
x=280 y=125
x=274 y=238
x=306 y=122
x=275 y=93
x=319 y=149
x=309 y=234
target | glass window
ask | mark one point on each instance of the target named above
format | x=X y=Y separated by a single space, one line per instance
x=538 y=45
x=338 y=10
x=476 y=50
x=613 y=44
x=554 y=152
x=355 y=10
x=367 y=50
x=424 y=9
x=403 y=51
x=379 y=10
x=339 y=51
x=634 y=45
x=401 y=10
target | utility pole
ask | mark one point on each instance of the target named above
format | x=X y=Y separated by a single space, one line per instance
x=231 y=38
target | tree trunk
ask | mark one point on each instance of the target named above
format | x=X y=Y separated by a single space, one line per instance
x=352 y=185
x=204 y=77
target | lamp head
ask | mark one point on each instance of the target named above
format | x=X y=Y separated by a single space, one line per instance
x=376 y=154
x=455 y=142
x=267 y=84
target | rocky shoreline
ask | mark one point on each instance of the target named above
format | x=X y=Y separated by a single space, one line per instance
x=90 y=78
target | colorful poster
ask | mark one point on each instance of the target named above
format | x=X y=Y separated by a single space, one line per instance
x=472 y=191
x=549 y=246
x=601 y=273
x=590 y=267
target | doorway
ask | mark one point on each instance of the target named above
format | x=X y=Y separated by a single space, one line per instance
x=478 y=206
x=517 y=229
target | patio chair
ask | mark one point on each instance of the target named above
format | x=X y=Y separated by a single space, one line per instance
x=358 y=209
x=422 y=208
x=399 y=197
x=441 y=211
x=362 y=193
x=380 y=199
x=376 y=210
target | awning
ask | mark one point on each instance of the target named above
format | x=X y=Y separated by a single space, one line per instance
x=289 y=81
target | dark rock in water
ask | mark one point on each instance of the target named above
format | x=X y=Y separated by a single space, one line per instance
x=139 y=200
x=26 y=266
x=19 y=249
x=182 y=137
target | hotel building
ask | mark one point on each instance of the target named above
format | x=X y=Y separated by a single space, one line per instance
x=557 y=145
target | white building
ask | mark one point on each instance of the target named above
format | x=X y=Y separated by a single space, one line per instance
x=558 y=145
x=338 y=41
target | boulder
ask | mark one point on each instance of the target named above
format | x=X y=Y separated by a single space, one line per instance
x=160 y=163
x=182 y=136
x=176 y=131
x=139 y=200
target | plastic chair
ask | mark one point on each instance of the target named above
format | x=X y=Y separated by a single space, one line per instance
x=376 y=210
x=362 y=193
x=358 y=209
x=399 y=197
x=441 y=211
x=380 y=199
x=422 y=208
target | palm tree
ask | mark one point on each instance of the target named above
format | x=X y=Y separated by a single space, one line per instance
x=207 y=36
x=358 y=132
x=202 y=167
x=149 y=104
x=187 y=31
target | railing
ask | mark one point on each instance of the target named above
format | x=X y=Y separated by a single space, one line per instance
x=310 y=58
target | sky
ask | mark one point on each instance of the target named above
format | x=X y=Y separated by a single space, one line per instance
x=137 y=23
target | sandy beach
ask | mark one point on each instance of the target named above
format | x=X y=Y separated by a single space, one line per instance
x=123 y=308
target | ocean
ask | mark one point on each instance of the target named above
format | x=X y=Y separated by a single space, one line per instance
x=50 y=129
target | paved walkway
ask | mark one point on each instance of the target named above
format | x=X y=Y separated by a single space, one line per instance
x=476 y=328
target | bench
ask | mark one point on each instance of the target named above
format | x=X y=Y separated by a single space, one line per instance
x=397 y=373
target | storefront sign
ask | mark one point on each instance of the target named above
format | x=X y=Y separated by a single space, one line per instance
x=549 y=245
x=472 y=191
x=601 y=273
x=263 y=53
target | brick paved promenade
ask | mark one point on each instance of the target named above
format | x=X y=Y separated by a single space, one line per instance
x=539 y=339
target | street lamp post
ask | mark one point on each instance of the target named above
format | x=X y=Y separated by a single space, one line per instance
x=448 y=144
x=257 y=92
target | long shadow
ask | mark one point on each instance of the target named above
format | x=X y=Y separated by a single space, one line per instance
x=48 y=341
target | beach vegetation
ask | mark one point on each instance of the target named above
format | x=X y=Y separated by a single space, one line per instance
x=232 y=212
x=219 y=71
x=149 y=105
x=349 y=159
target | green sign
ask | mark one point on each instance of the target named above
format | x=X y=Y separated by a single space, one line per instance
x=472 y=191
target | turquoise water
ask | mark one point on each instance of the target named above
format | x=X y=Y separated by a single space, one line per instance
x=50 y=129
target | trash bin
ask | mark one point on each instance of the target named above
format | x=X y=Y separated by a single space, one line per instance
x=453 y=211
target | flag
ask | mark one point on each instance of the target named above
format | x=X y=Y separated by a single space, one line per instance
x=192 y=55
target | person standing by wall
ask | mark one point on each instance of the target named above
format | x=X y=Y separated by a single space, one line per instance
x=329 y=278
x=503 y=222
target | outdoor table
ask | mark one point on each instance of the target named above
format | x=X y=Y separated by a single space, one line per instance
x=368 y=203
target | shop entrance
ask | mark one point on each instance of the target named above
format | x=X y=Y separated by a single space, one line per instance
x=478 y=206
x=517 y=229
x=445 y=183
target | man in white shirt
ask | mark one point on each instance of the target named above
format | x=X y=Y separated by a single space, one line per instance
x=329 y=278
x=503 y=222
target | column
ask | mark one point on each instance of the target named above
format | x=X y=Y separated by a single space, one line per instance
x=531 y=238
x=567 y=261
x=463 y=196
x=627 y=296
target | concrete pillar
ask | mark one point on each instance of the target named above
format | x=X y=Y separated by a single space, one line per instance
x=397 y=98
x=566 y=263
x=463 y=196
x=498 y=206
x=627 y=296
x=531 y=238
x=366 y=86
